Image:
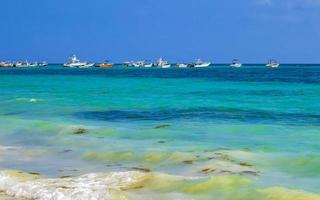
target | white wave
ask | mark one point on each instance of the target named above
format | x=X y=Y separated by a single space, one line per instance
x=8 y=148
x=87 y=187
x=31 y=100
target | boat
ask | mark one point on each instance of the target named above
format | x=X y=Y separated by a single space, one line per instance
x=22 y=64
x=163 y=63
x=106 y=64
x=147 y=64
x=138 y=64
x=128 y=64
x=34 y=64
x=199 y=63
x=6 y=64
x=273 y=64
x=42 y=64
x=75 y=62
x=182 y=65
x=236 y=63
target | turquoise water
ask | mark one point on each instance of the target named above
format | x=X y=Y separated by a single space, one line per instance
x=255 y=131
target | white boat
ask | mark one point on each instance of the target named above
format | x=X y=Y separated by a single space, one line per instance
x=236 y=63
x=163 y=64
x=199 y=63
x=35 y=64
x=22 y=64
x=6 y=64
x=148 y=65
x=182 y=65
x=273 y=64
x=42 y=64
x=75 y=62
x=136 y=65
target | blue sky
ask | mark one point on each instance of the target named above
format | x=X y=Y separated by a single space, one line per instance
x=178 y=30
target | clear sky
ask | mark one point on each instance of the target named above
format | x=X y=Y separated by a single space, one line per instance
x=178 y=30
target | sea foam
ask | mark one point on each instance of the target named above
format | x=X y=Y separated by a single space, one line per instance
x=87 y=187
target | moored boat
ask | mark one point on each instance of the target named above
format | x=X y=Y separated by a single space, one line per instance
x=163 y=63
x=138 y=64
x=42 y=64
x=147 y=64
x=236 y=63
x=273 y=64
x=199 y=63
x=22 y=64
x=182 y=65
x=75 y=62
x=106 y=64
x=6 y=64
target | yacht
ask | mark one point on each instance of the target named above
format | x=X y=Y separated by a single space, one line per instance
x=163 y=64
x=106 y=64
x=22 y=64
x=34 y=64
x=75 y=62
x=273 y=64
x=147 y=64
x=138 y=64
x=42 y=64
x=236 y=63
x=128 y=64
x=182 y=65
x=199 y=63
x=6 y=64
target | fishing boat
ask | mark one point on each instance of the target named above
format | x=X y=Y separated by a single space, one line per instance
x=138 y=64
x=182 y=65
x=75 y=62
x=236 y=63
x=34 y=64
x=147 y=64
x=199 y=63
x=22 y=64
x=273 y=64
x=42 y=64
x=163 y=63
x=6 y=64
x=106 y=64
x=128 y=64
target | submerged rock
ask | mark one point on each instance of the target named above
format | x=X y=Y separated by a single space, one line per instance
x=245 y=164
x=189 y=162
x=67 y=150
x=142 y=169
x=162 y=126
x=34 y=173
x=65 y=176
x=80 y=131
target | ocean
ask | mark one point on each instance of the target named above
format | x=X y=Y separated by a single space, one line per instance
x=139 y=134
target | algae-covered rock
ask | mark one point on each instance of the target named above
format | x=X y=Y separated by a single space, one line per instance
x=142 y=169
x=80 y=131
x=278 y=193
x=189 y=162
x=162 y=126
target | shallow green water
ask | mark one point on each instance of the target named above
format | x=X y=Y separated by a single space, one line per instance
x=253 y=123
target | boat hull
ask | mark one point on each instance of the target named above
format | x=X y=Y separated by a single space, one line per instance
x=105 y=66
x=236 y=65
x=202 y=65
x=165 y=66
